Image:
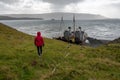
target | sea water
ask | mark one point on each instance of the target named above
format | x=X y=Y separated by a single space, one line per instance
x=108 y=29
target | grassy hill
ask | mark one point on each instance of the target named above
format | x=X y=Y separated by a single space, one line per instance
x=60 y=61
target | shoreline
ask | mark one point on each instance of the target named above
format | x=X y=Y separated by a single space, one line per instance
x=92 y=42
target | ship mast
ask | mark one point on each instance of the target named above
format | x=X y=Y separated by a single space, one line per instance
x=61 y=24
x=74 y=23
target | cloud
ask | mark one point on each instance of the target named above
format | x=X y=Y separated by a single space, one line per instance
x=5 y=8
x=58 y=6
x=109 y=8
x=23 y=7
x=62 y=2
x=9 y=1
x=113 y=9
x=116 y=5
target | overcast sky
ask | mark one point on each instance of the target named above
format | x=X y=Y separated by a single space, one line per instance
x=108 y=8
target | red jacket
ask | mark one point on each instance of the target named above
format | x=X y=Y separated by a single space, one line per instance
x=39 y=40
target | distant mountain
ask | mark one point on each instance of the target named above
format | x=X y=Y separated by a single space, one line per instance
x=58 y=15
x=18 y=18
x=5 y=18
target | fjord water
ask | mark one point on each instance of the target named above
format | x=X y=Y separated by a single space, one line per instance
x=108 y=29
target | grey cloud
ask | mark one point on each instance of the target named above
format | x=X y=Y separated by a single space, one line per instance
x=4 y=9
x=117 y=5
x=58 y=5
x=62 y=2
x=9 y=1
x=28 y=4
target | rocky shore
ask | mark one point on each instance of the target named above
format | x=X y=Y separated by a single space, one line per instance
x=96 y=42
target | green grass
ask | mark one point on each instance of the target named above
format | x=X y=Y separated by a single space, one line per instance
x=19 y=59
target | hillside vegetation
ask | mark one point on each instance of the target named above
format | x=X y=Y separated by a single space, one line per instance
x=60 y=61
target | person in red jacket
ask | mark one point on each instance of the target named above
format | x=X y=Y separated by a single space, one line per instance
x=39 y=42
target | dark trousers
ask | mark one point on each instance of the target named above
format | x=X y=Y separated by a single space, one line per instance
x=39 y=49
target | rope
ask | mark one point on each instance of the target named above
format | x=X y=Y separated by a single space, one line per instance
x=54 y=69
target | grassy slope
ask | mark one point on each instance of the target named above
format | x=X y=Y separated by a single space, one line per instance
x=19 y=59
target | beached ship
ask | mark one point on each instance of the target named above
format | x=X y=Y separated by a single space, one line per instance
x=77 y=35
